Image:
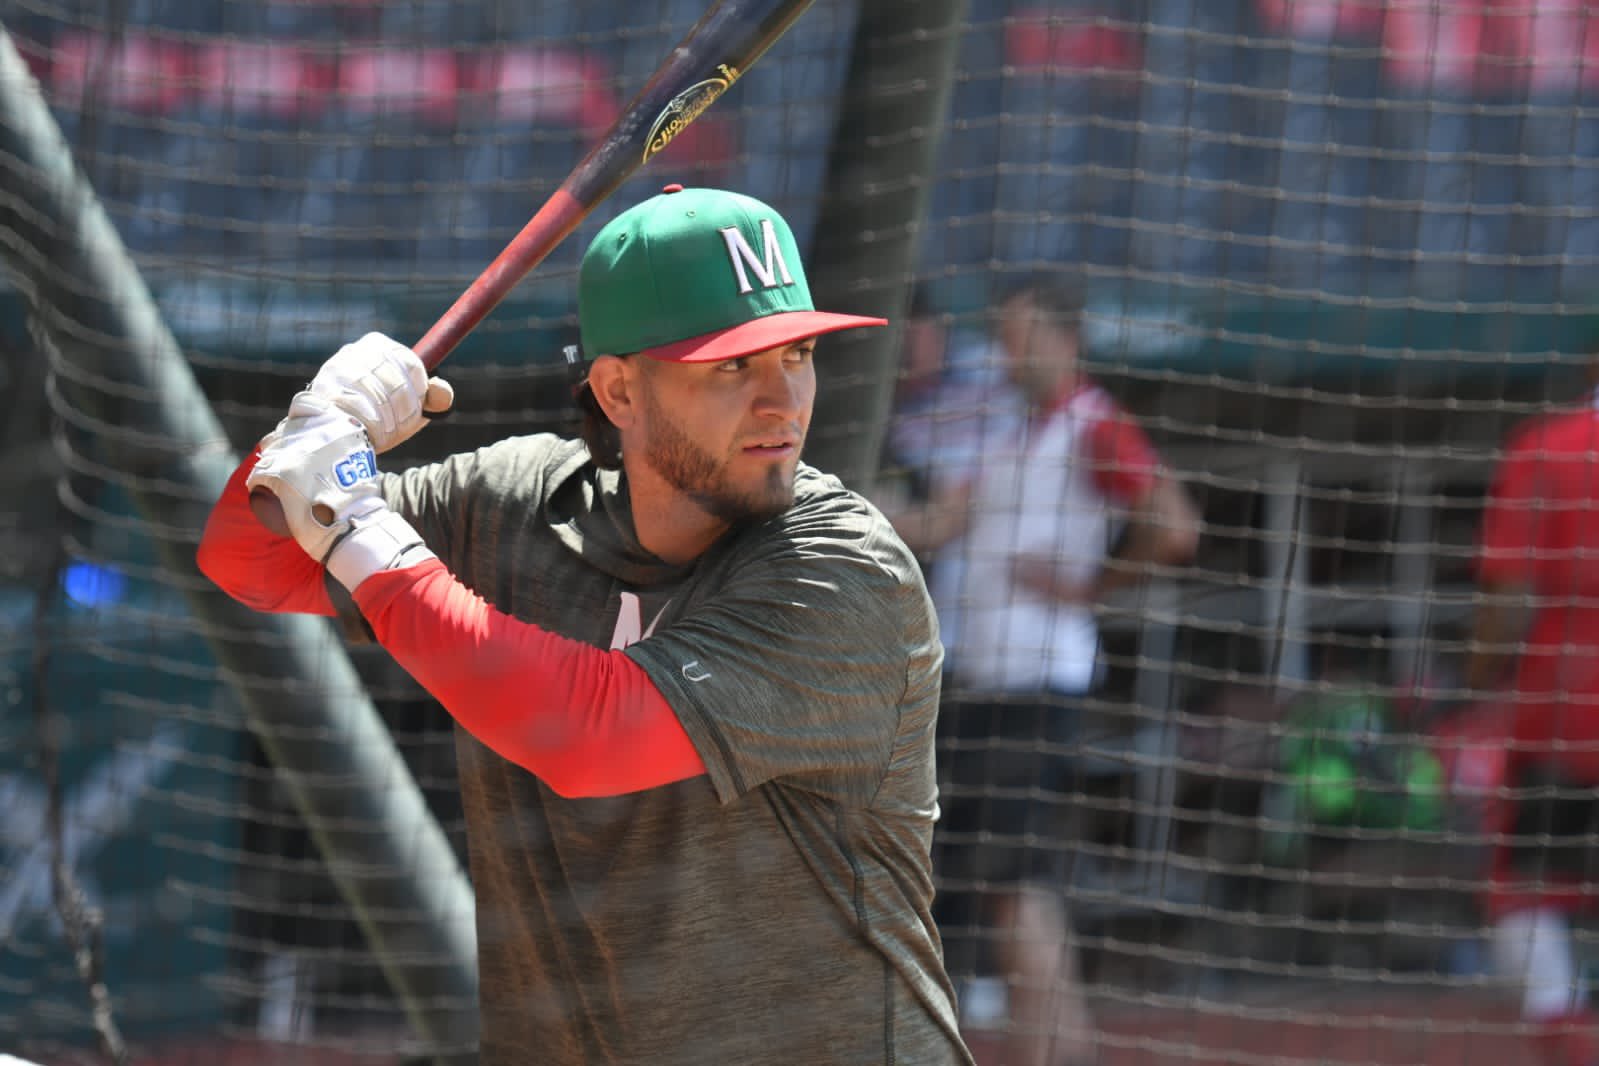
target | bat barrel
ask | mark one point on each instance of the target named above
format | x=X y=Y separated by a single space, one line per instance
x=729 y=37
x=559 y=216
x=714 y=54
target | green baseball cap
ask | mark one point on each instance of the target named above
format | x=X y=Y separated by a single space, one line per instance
x=697 y=276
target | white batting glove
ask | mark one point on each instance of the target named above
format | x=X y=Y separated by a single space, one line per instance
x=380 y=382
x=321 y=467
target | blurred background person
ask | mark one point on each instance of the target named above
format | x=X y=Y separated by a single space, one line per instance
x=951 y=400
x=1037 y=515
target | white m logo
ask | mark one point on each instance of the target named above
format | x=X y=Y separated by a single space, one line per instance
x=630 y=622
x=767 y=267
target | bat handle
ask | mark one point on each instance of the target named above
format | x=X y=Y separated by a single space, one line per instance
x=268 y=511
x=558 y=217
x=432 y=349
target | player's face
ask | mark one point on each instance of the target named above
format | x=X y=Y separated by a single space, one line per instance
x=922 y=360
x=1038 y=354
x=1013 y=326
x=728 y=435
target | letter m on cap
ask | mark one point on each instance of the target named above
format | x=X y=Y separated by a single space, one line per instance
x=768 y=267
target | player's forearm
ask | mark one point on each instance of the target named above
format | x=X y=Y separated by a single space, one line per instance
x=1498 y=627
x=1162 y=533
x=253 y=565
x=1164 y=530
x=1143 y=554
x=585 y=721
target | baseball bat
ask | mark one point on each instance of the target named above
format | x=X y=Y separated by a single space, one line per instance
x=729 y=37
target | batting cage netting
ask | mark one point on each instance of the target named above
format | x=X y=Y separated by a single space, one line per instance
x=1217 y=327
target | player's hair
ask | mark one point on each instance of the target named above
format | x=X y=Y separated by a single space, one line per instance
x=598 y=433
x=1060 y=297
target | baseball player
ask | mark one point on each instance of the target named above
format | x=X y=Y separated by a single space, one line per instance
x=695 y=679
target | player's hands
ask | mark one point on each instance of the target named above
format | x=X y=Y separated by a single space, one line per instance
x=1040 y=575
x=321 y=467
x=382 y=384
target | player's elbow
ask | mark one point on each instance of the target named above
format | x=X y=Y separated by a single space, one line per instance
x=1179 y=544
x=218 y=566
x=231 y=570
x=1177 y=527
x=571 y=786
x=570 y=776
x=553 y=752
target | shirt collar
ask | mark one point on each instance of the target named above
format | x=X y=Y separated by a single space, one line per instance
x=1075 y=386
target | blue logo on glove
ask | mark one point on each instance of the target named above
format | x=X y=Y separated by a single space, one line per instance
x=357 y=466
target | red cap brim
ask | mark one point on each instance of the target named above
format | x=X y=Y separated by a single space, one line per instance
x=757 y=335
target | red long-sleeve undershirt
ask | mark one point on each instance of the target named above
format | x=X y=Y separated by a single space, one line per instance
x=251 y=564
x=585 y=721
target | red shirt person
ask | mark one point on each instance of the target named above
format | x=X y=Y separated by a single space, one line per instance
x=1536 y=641
x=1537 y=569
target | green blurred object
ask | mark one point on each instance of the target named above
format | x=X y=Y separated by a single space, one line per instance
x=1328 y=788
x=1342 y=766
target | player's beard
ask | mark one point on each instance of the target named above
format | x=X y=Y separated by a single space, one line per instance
x=699 y=475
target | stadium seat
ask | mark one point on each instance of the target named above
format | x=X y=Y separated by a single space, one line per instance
x=539 y=85
x=295 y=21
x=387 y=139
x=1321 y=20
x=1064 y=137
x=1450 y=137
x=114 y=98
x=1325 y=164
x=535 y=112
x=780 y=145
x=169 y=16
x=1552 y=51
x=521 y=22
x=959 y=232
x=236 y=155
x=1561 y=181
x=417 y=21
x=1192 y=161
x=502 y=174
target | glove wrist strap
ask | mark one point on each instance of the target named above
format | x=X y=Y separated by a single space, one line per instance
x=370 y=544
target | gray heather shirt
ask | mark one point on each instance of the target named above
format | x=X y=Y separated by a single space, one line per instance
x=773 y=911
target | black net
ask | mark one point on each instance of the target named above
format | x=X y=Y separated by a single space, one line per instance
x=1328 y=254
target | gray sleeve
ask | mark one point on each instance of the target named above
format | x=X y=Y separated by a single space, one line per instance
x=433 y=500
x=463 y=505
x=798 y=666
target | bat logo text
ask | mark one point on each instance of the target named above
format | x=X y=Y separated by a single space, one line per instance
x=687 y=106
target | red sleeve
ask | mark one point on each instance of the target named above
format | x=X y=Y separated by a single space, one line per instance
x=1511 y=519
x=585 y=721
x=254 y=565
x=1124 y=463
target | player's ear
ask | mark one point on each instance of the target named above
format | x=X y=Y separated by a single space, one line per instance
x=615 y=386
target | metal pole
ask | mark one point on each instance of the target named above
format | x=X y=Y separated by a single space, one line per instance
x=890 y=120
x=1287 y=585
